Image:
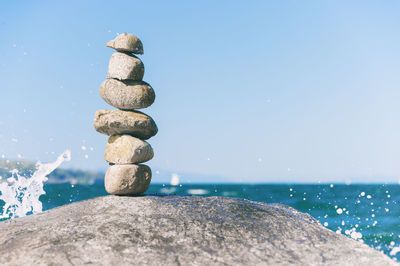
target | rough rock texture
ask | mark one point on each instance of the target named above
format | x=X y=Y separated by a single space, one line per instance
x=153 y=230
x=126 y=42
x=125 y=149
x=127 y=179
x=124 y=66
x=127 y=95
x=116 y=122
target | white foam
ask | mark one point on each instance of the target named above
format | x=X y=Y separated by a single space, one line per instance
x=353 y=234
x=229 y=193
x=21 y=194
x=168 y=190
x=197 y=191
x=394 y=251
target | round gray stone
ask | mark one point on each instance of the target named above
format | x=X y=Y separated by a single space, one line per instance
x=117 y=122
x=171 y=230
x=124 y=66
x=126 y=42
x=127 y=179
x=125 y=149
x=127 y=95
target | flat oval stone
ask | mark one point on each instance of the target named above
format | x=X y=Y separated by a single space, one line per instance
x=124 y=66
x=126 y=42
x=127 y=179
x=117 y=122
x=127 y=95
x=125 y=149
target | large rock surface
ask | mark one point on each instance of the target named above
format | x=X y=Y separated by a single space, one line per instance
x=156 y=230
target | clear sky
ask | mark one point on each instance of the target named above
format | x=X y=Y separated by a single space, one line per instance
x=248 y=91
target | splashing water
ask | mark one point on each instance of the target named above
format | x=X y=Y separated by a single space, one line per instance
x=21 y=194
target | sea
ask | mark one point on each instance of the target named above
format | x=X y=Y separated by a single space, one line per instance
x=366 y=213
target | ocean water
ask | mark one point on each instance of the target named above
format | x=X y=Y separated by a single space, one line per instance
x=367 y=213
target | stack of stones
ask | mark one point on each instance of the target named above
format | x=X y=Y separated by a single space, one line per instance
x=128 y=128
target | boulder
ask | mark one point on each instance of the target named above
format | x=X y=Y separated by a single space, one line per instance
x=116 y=122
x=127 y=95
x=125 y=149
x=172 y=230
x=126 y=42
x=124 y=66
x=127 y=179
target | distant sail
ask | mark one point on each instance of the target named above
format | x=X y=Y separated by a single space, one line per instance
x=174 y=180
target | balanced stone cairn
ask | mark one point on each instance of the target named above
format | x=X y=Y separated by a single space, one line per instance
x=128 y=128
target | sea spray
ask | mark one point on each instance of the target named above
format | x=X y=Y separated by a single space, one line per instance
x=20 y=194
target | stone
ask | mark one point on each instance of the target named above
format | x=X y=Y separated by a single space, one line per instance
x=125 y=149
x=126 y=42
x=117 y=122
x=127 y=95
x=174 y=230
x=127 y=179
x=124 y=66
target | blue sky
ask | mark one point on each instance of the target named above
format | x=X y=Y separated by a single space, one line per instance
x=248 y=91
